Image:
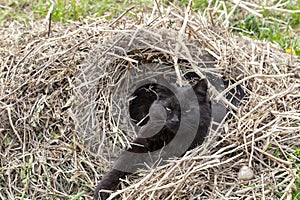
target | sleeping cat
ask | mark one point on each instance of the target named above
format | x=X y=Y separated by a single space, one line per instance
x=178 y=121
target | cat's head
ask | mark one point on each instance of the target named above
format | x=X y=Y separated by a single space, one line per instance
x=169 y=107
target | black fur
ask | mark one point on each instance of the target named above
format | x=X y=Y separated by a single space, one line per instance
x=165 y=111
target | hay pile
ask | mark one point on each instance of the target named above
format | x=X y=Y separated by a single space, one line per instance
x=58 y=123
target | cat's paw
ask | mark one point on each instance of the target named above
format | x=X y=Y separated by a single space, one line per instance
x=100 y=194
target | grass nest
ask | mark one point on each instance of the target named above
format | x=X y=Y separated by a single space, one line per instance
x=63 y=122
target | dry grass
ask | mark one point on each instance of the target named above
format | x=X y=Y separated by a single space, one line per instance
x=58 y=126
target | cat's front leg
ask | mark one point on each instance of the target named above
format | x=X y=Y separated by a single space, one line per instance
x=110 y=181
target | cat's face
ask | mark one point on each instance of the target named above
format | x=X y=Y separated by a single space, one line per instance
x=171 y=111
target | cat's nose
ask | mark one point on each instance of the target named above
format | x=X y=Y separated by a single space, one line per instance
x=175 y=119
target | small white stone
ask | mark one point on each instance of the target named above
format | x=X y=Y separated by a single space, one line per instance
x=245 y=173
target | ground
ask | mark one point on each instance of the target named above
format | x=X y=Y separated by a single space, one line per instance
x=45 y=152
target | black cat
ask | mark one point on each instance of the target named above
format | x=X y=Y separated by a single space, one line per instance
x=179 y=118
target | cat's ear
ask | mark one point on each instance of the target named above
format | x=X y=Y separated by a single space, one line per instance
x=163 y=88
x=200 y=87
x=162 y=91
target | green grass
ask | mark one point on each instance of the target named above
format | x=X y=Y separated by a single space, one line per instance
x=296 y=194
x=197 y=5
x=63 y=10
x=263 y=29
x=296 y=164
x=277 y=27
